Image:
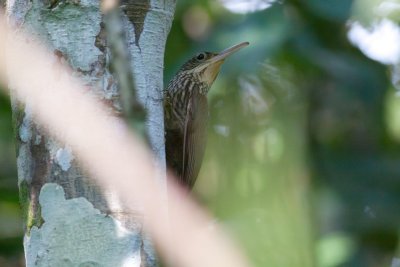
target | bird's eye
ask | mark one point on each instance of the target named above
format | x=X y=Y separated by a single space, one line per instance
x=201 y=56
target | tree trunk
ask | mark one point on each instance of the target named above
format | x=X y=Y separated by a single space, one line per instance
x=69 y=220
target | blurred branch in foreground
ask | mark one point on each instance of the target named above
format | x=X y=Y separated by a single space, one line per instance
x=134 y=112
x=112 y=155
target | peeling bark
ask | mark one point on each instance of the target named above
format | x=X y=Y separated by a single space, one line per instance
x=136 y=11
x=47 y=169
x=100 y=239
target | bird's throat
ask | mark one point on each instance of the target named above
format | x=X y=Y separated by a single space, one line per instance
x=211 y=72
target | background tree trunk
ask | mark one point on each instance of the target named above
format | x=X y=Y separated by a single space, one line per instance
x=65 y=213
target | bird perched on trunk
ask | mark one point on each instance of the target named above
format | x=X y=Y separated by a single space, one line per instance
x=186 y=113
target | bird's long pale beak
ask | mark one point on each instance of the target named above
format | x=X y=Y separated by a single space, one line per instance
x=227 y=52
x=210 y=68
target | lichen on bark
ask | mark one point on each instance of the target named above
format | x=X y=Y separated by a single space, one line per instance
x=67 y=222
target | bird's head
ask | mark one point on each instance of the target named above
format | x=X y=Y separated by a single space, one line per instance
x=206 y=65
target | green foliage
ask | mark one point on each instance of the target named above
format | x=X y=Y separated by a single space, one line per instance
x=10 y=219
x=31 y=214
x=298 y=141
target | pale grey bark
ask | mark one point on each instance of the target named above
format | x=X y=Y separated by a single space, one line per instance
x=69 y=220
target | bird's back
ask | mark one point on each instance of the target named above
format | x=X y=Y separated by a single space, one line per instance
x=186 y=119
x=186 y=112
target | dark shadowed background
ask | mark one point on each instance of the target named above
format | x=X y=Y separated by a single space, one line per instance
x=303 y=158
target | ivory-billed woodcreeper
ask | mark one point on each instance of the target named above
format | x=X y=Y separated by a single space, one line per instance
x=186 y=113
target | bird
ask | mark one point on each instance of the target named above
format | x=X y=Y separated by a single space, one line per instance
x=186 y=113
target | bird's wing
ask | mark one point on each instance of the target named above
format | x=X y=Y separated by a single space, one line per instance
x=186 y=129
x=194 y=138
